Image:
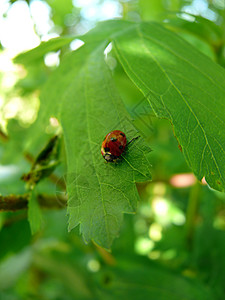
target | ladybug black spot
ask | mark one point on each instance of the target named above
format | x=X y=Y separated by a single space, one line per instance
x=106 y=149
x=113 y=139
x=120 y=147
x=122 y=134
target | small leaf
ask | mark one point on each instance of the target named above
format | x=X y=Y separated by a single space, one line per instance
x=34 y=214
x=45 y=163
x=48 y=154
x=35 y=54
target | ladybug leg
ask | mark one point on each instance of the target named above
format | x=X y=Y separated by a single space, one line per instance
x=118 y=160
x=133 y=139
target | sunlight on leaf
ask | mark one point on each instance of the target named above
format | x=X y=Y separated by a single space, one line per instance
x=184 y=86
x=99 y=193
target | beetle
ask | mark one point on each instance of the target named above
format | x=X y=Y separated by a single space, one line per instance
x=114 y=145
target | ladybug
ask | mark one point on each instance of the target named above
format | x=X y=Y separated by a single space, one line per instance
x=114 y=145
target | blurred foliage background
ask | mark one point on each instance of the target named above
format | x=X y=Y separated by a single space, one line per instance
x=174 y=246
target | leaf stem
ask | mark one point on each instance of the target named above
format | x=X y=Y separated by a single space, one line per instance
x=105 y=255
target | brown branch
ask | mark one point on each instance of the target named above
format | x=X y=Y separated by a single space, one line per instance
x=19 y=202
x=13 y=202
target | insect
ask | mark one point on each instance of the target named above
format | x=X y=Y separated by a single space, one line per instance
x=114 y=145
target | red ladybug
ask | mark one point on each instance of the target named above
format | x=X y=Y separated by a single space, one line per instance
x=114 y=145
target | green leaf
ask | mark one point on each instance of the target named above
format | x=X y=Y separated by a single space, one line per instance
x=199 y=26
x=150 y=282
x=60 y=80
x=102 y=31
x=45 y=163
x=34 y=214
x=99 y=193
x=184 y=86
x=175 y=78
x=34 y=54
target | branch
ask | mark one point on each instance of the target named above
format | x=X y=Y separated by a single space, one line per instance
x=18 y=202
x=13 y=202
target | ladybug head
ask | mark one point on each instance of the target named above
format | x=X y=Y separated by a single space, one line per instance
x=109 y=157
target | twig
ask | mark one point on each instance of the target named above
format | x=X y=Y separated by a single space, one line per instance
x=13 y=202
x=19 y=202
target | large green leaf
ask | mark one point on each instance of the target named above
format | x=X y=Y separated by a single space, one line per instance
x=99 y=193
x=186 y=87
x=90 y=107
